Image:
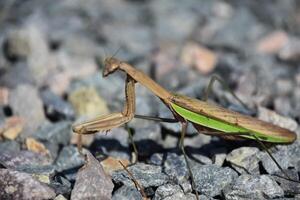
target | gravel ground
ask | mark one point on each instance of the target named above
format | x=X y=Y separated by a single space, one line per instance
x=51 y=62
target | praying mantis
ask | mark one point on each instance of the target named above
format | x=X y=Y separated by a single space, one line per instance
x=207 y=118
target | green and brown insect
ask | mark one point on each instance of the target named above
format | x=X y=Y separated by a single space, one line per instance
x=206 y=117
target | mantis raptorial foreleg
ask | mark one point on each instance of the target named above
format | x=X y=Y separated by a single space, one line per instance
x=107 y=122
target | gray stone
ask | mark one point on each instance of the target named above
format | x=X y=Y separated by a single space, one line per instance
x=232 y=34
x=25 y=102
x=43 y=173
x=14 y=160
x=69 y=158
x=114 y=143
x=9 y=146
x=61 y=185
x=211 y=179
x=91 y=181
x=56 y=107
x=175 y=167
x=288 y=181
x=29 y=42
x=166 y=20
x=245 y=160
x=147 y=137
x=276 y=119
x=253 y=187
x=18 y=185
x=126 y=192
x=57 y=133
x=285 y=155
x=147 y=175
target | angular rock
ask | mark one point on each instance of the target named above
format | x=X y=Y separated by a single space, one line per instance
x=244 y=160
x=253 y=187
x=61 y=185
x=146 y=175
x=288 y=181
x=175 y=167
x=18 y=185
x=69 y=158
x=211 y=179
x=92 y=182
x=284 y=155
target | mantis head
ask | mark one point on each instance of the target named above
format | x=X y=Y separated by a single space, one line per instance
x=110 y=66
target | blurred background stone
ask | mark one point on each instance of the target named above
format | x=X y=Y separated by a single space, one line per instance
x=51 y=63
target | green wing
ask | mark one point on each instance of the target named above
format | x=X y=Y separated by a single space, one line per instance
x=225 y=127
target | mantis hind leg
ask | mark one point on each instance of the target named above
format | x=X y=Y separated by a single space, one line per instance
x=181 y=145
x=209 y=88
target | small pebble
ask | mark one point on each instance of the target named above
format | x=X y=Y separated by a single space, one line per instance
x=36 y=146
x=211 y=179
x=69 y=158
x=147 y=175
x=253 y=187
x=127 y=192
x=169 y=192
x=273 y=42
x=42 y=173
x=87 y=102
x=57 y=133
x=203 y=59
x=56 y=107
x=244 y=160
x=111 y=164
x=4 y=94
x=13 y=127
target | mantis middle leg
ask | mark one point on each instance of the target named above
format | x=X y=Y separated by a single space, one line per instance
x=209 y=88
